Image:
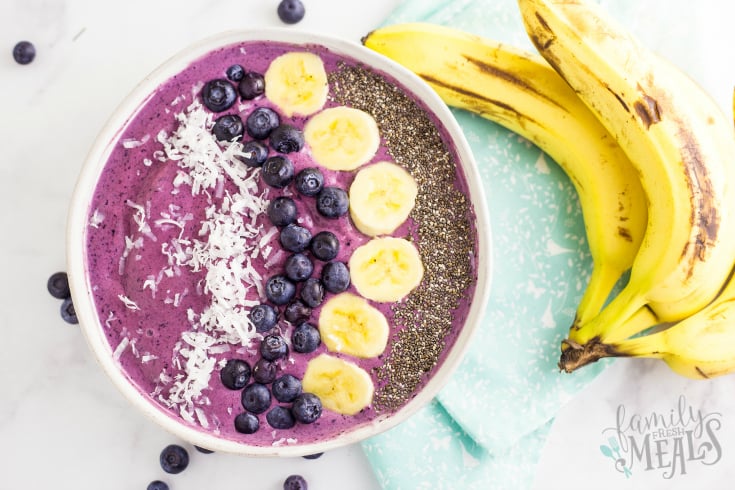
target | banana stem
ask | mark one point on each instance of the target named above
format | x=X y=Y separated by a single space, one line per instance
x=574 y=355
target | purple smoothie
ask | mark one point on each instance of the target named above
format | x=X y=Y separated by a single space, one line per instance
x=172 y=299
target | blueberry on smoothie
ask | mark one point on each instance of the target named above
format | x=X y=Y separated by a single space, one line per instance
x=235 y=375
x=298 y=267
x=157 y=485
x=281 y=211
x=309 y=181
x=332 y=202
x=279 y=289
x=174 y=459
x=218 y=95
x=312 y=292
x=295 y=238
x=246 y=423
x=228 y=128
x=335 y=277
x=58 y=285
x=280 y=418
x=273 y=347
x=256 y=398
x=251 y=86
x=287 y=139
x=261 y=122
x=24 y=52
x=68 y=313
x=291 y=11
x=263 y=317
x=296 y=312
x=307 y=408
x=324 y=246
x=264 y=371
x=305 y=338
x=254 y=153
x=286 y=388
x=277 y=171
x=235 y=72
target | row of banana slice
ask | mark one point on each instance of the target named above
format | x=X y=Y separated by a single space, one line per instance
x=651 y=155
x=381 y=197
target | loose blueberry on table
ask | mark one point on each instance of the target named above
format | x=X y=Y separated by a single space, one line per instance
x=58 y=285
x=24 y=52
x=291 y=11
x=68 y=313
x=295 y=482
x=174 y=459
x=157 y=485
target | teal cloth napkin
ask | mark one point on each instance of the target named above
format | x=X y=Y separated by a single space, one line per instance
x=487 y=427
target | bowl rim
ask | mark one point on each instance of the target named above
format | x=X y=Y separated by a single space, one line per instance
x=77 y=227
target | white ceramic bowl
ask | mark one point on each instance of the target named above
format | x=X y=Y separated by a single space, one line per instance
x=92 y=324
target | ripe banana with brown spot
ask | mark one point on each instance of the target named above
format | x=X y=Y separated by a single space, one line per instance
x=683 y=148
x=521 y=92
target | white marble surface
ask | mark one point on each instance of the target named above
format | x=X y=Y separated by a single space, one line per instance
x=62 y=425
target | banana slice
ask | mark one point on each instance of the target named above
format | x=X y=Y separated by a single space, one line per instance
x=386 y=269
x=381 y=198
x=342 y=138
x=350 y=325
x=297 y=83
x=342 y=386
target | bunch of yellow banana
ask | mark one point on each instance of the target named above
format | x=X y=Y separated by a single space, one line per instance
x=620 y=122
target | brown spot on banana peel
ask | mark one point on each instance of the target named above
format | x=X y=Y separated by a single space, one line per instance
x=509 y=77
x=625 y=233
x=647 y=109
x=701 y=373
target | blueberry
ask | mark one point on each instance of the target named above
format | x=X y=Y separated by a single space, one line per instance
x=228 y=128
x=218 y=95
x=280 y=418
x=24 y=52
x=246 y=423
x=68 y=313
x=298 y=267
x=157 y=485
x=264 y=371
x=235 y=72
x=335 y=277
x=256 y=398
x=324 y=246
x=253 y=153
x=277 y=171
x=287 y=139
x=309 y=181
x=235 y=375
x=332 y=202
x=251 y=86
x=263 y=317
x=313 y=456
x=305 y=338
x=295 y=238
x=174 y=459
x=261 y=122
x=286 y=388
x=203 y=450
x=58 y=285
x=296 y=312
x=312 y=292
x=306 y=408
x=291 y=11
x=279 y=289
x=273 y=347
x=281 y=211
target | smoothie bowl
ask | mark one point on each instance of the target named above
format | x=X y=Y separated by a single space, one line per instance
x=278 y=244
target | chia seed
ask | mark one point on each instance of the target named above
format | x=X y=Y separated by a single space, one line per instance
x=444 y=233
